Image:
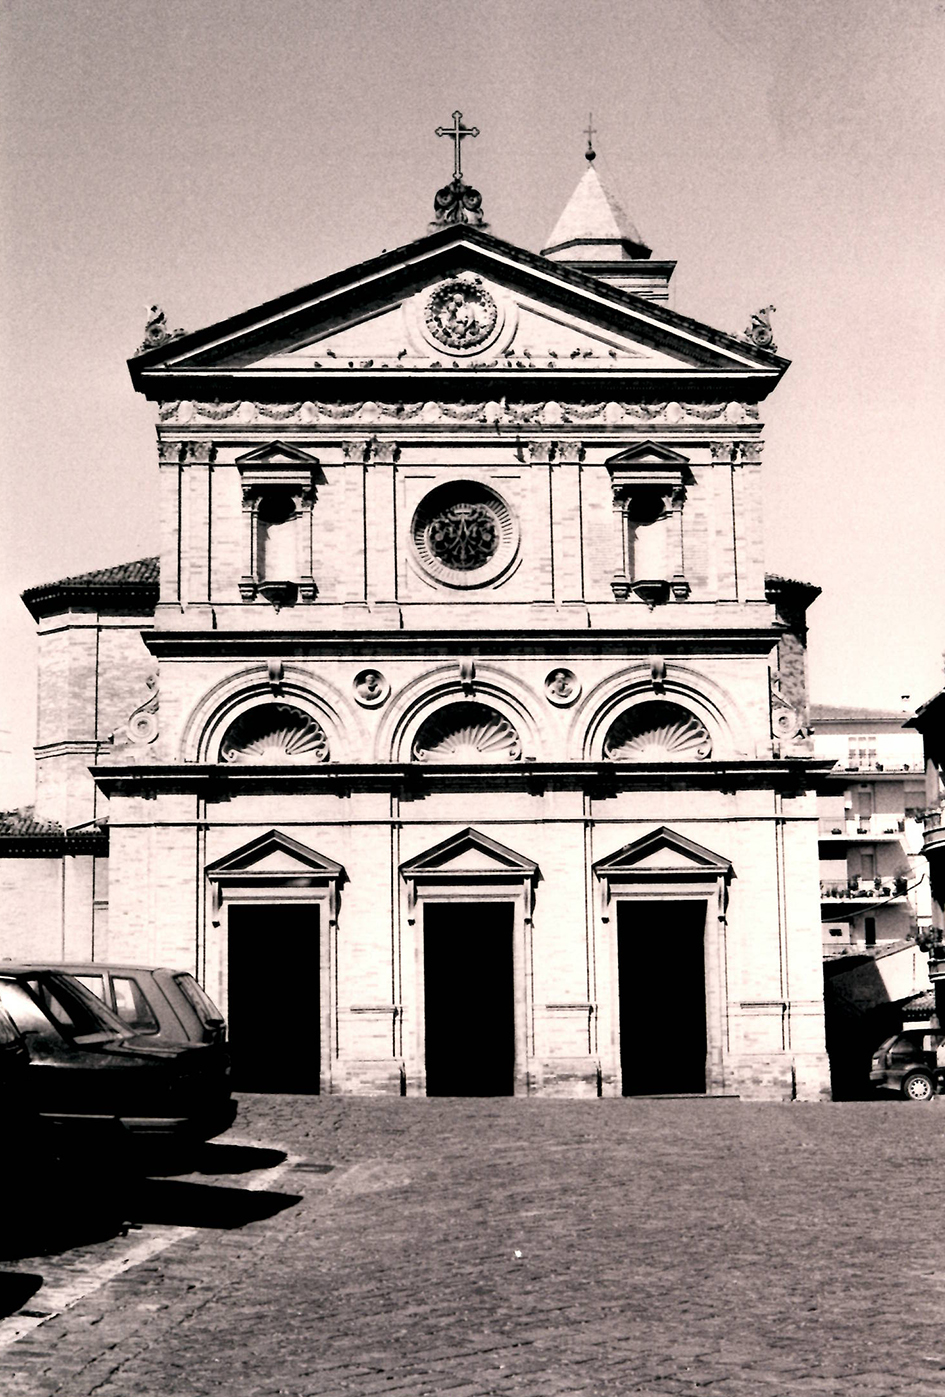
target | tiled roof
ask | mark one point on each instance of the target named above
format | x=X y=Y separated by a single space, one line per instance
x=126 y=586
x=23 y=824
x=921 y=1007
x=841 y=713
x=22 y=834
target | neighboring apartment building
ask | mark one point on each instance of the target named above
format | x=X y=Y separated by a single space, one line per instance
x=874 y=885
x=930 y=723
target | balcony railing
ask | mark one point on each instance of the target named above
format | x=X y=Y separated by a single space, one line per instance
x=863 y=889
x=864 y=826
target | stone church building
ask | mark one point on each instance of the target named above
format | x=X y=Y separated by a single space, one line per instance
x=458 y=739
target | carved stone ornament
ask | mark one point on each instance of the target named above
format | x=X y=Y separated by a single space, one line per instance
x=759 y=329
x=464 y=534
x=142 y=727
x=562 y=687
x=657 y=731
x=457 y=202
x=370 y=688
x=274 y=734
x=460 y=314
x=467 y=732
x=156 y=332
x=543 y=413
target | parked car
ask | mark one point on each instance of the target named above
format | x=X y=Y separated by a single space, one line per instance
x=167 y=1006
x=14 y=1060
x=906 y=1062
x=91 y=1074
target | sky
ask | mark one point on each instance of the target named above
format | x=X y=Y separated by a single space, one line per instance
x=209 y=154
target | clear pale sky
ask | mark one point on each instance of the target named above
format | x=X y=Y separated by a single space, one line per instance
x=209 y=154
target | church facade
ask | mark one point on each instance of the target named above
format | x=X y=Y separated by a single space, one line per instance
x=458 y=737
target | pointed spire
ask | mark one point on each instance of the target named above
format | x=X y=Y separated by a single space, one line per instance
x=594 y=226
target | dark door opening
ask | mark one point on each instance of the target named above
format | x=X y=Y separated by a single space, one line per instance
x=469 y=1001
x=661 y=980
x=275 y=1038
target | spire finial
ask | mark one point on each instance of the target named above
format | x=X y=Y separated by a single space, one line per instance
x=457 y=202
x=590 y=130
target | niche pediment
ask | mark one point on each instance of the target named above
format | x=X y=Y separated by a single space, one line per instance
x=648 y=463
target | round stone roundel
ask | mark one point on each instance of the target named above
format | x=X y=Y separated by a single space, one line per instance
x=464 y=534
x=460 y=314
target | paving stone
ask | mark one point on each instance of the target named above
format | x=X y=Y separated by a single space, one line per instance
x=667 y=1248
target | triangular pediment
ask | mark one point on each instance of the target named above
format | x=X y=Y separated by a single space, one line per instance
x=649 y=453
x=663 y=851
x=374 y=322
x=274 y=855
x=277 y=453
x=470 y=853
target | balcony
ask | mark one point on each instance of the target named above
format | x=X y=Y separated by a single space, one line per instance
x=933 y=845
x=864 y=890
x=871 y=827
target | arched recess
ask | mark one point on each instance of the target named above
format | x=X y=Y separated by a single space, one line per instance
x=664 y=866
x=223 y=705
x=465 y=870
x=677 y=684
x=271 y=883
x=444 y=686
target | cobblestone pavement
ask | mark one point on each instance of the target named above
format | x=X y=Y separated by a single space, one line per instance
x=528 y=1247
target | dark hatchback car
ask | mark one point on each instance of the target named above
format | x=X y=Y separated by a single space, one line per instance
x=166 y=1006
x=906 y=1063
x=90 y=1074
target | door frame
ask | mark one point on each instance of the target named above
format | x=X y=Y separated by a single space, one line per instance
x=327 y=933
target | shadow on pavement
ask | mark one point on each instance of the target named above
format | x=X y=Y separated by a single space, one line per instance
x=235 y=1159
x=16 y=1287
x=175 y=1203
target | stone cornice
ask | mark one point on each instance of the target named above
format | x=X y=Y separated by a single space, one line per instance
x=512 y=642
x=793 y=775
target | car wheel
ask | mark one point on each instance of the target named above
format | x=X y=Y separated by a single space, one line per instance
x=918 y=1087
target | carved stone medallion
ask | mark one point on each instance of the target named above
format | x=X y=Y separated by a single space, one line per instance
x=370 y=688
x=460 y=314
x=464 y=534
x=562 y=687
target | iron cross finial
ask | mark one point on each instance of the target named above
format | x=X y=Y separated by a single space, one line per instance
x=456 y=133
x=589 y=131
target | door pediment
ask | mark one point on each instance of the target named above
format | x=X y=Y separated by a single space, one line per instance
x=662 y=852
x=469 y=852
x=273 y=854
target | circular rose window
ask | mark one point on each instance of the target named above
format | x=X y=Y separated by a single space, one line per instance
x=464 y=534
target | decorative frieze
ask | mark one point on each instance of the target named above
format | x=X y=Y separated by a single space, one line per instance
x=548 y=412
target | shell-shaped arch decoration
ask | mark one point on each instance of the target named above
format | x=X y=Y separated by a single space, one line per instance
x=272 y=734
x=657 y=732
x=467 y=732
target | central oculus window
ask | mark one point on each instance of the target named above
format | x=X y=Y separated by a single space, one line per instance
x=464 y=534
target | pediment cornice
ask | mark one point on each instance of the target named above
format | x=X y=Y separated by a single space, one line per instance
x=230 y=351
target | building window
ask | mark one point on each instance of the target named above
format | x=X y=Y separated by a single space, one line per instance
x=861 y=752
x=464 y=534
x=869 y=930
